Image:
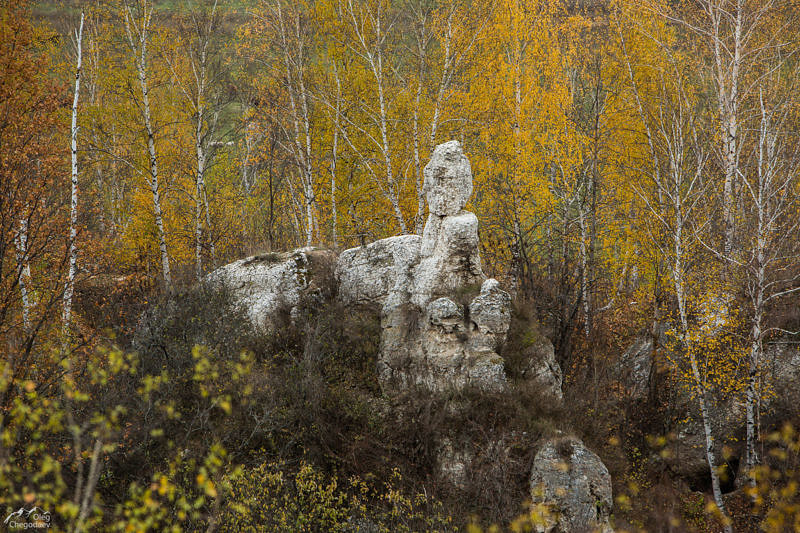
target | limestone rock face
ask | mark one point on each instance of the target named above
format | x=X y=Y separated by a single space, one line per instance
x=442 y=320
x=635 y=368
x=687 y=452
x=271 y=286
x=782 y=375
x=575 y=484
x=645 y=371
x=490 y=313
x=544 y=370
x=448 y=180
x=449 y=258
x=431 y=336
x=367 y=274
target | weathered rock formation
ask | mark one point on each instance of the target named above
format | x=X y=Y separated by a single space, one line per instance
x=436 y=332
x=647 y=372
x=781 y=376
x=442 y=321
x=271 y=286
x=367 y=274
x=575 y=486
x=543 y=370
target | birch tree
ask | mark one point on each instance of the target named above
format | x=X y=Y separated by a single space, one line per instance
x=287 y=28
x=138 y=20
x=770 y=191
x=367 y=28
x=684 y=161
x=737 y=37
x=674 y=198
x=335 y=150
x=453 y=29
x=33 y=251
x=24 y=276
x=73 y=211
x=202 y=94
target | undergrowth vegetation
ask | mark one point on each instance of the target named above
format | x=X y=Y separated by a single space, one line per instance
x=213 y=424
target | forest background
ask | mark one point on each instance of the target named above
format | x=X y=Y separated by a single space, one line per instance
x=634 y=163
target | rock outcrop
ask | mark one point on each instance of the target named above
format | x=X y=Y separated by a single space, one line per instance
x=367 y=274
x=575 y=486
x=437 y=332
x=635 y=369
x=646 y=371
x=442 y=321
x=271 y=286
x=781 y=376
x=543 y=369
x=686 y=455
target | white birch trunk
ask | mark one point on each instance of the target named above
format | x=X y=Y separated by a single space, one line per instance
x=678 y=271
x=139 y=47
x=727 y=78
x=294 y=68
x=372 y=55
x=377 y=68
x=446 y=79
x=69 y=286
x=24 y=266
x=584 y=253
x=767 y=201
x=700 y=389
x=198 y=202
x=335 y=154
x=419 y=217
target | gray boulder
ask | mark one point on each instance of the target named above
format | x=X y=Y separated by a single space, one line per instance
x=686 y=452
x=647 y=369
x=448 y=180
x=543 y=370
x=367 y=274
x=272 y=285
x=781 y=373
x=635 y=368
x=575 y=486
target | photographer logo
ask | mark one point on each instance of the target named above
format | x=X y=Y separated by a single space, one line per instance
x=36 y=518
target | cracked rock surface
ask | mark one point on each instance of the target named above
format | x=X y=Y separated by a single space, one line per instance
x=575 y=485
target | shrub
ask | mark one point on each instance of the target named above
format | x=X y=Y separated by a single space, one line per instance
x=275 y=497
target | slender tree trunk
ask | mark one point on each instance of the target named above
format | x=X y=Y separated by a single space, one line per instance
x=154 y=186
x=387 y=157
x=209 y=236
x=756 y=349
x=727 y=68
x=420 y=216
x=761 y=198
x=700 y=389
x=334 y=155
x=584 y=253
x=199 y=192
x=293 y=67
x=140 y=55
x=444 y=83
x=73 y=211
x=24 y=266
